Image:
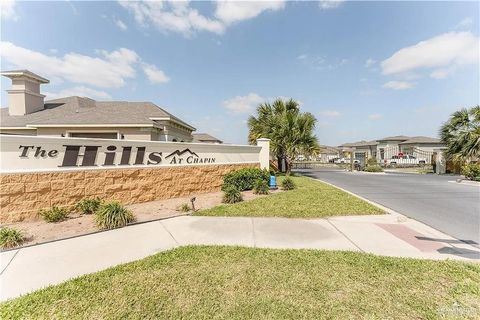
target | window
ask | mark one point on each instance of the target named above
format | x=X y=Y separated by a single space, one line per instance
x=94 y=135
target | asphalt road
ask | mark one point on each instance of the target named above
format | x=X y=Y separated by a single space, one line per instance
x=449 y=207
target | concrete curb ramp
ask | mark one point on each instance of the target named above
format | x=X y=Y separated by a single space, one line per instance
x=31 y=268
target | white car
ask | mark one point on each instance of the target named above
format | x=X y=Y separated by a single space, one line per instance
x=405 y=160
x=345 y=160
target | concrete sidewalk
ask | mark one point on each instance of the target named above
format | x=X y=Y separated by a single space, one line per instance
x=28 y=269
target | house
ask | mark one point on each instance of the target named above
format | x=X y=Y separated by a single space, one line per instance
x=29 y=114
x=205 y=138
x=363 y=149
x=328 y=153
x=384 y=148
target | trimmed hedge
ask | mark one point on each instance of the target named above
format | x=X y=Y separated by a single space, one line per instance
x=245 y=179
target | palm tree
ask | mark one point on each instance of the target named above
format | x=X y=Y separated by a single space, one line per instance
x=289 y=130
x=461 y=134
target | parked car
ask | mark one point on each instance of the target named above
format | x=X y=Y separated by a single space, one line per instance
x=405 y=160
x=345 y=160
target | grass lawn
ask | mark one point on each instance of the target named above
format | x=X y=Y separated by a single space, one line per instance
x=311 y=199
x=245 y=283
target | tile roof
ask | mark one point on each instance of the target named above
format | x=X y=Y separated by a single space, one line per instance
x=80 y=110
x=362 y=143
x=200 y=137
x=421 y=139
x=329 y=149
x=395 y=138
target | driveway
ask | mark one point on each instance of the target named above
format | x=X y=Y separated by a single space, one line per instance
x=449 y=207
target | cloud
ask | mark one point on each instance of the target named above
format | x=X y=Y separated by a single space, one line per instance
x=119 y=23
x=7 y=9
x=442 y=73
x=234 y=11
x=154 y=74
x=446 y=50
x=466 y=22
x=171 y=16
x=105 y=70
x=243 y=104
x=329 y=113
x=398 y=85
x=80 y=91
x=179 y=16
x=375 y=116
x=319 y=62
x=329 y=4
x=370 y=62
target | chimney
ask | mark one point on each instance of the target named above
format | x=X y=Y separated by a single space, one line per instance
x=24 y=97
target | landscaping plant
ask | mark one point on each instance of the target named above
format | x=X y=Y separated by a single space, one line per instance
x=54 y=214
x=461 y=134
x=184 y=207
x=261 y=187
x=88 y=206
x=10 y=237
x=374 y=168
x=113 y=215
x=471 y=171
x=231 y=195
x=291 y=132
x=288 y=184
x=245 y=179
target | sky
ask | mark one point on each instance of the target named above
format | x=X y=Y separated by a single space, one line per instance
x=365 y=70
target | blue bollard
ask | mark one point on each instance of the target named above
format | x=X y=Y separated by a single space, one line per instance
x=273 y=183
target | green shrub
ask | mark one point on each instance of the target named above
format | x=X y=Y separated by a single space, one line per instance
x=471 y=171
x=231 y=195
x=373 y=168
x=10 y=237
x=112 y=215
x=184 y=207
x=372 y=162
x=261 y=187
x=88 y=206
x=244 y=179
x=54 y=214
x=288 y=184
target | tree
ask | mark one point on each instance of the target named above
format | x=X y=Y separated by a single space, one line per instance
x=461 y=135
x=289 y=130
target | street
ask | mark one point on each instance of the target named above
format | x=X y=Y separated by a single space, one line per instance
x=447 y=206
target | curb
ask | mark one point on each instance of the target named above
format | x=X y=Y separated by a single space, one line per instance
x=466 y=183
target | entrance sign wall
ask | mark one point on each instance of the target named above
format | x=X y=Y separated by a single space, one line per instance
x=40 y=172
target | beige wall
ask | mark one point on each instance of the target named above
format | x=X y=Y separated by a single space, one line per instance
x=23 y=195
x=25 y=132
x=21 y=103
x=128 y=132
x=173 y=130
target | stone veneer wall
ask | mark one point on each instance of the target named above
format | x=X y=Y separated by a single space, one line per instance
x=22 y=195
